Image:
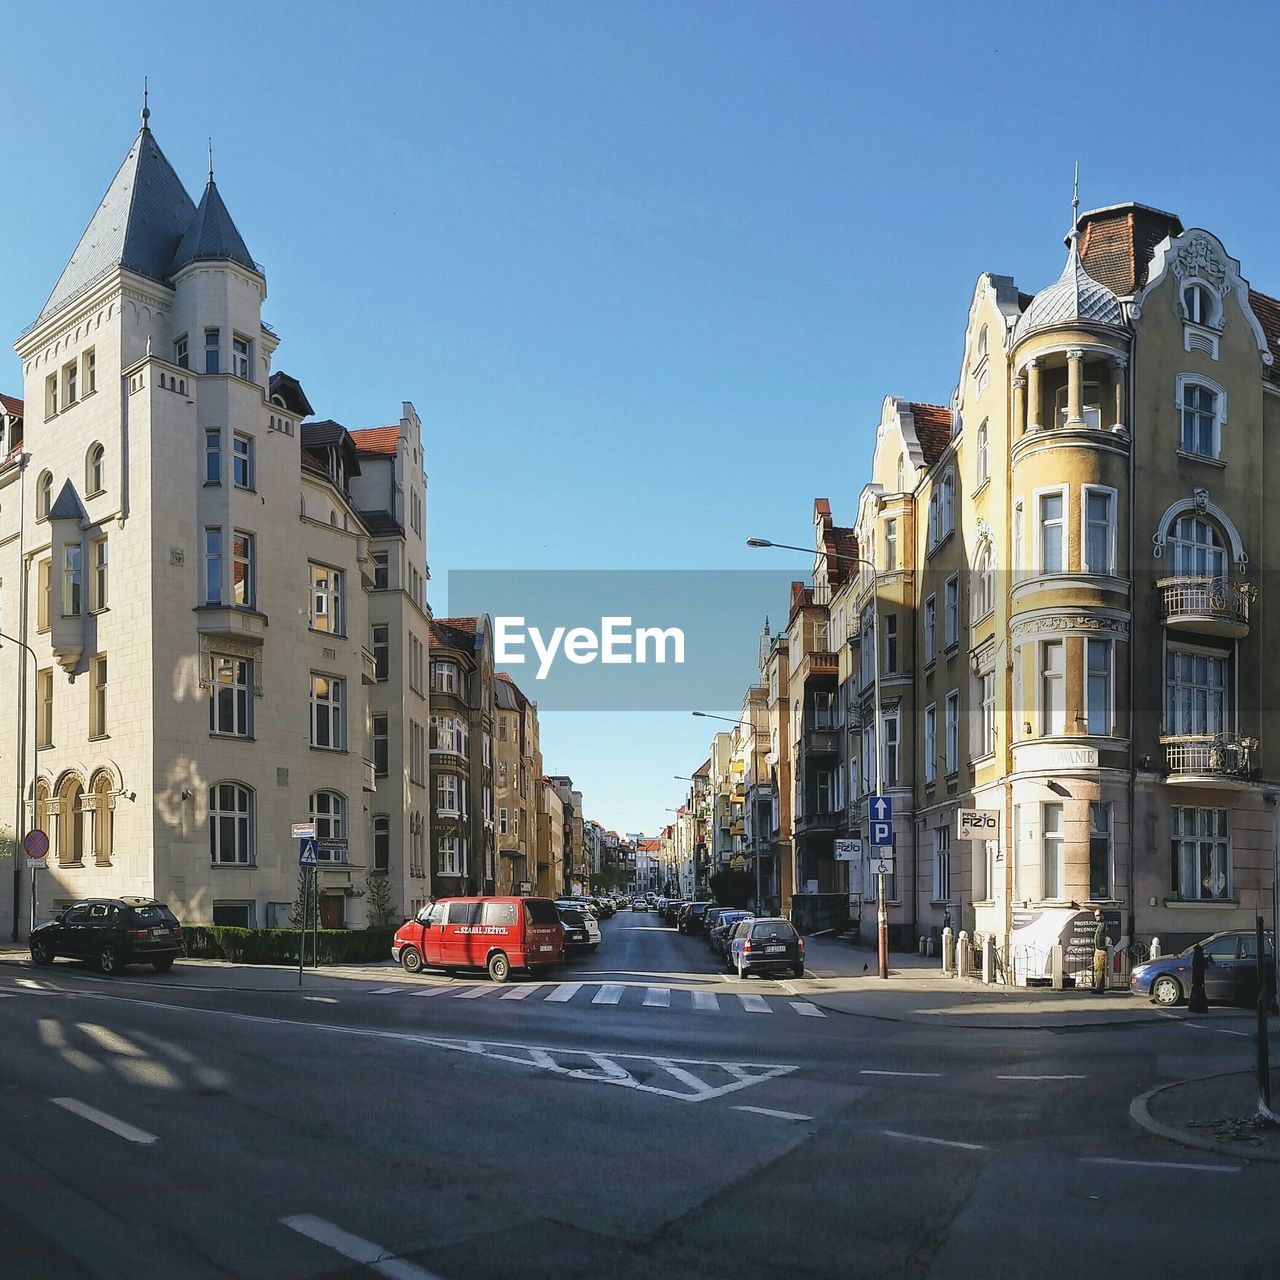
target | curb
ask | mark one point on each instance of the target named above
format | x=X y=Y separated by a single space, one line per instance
x=1140 y=1113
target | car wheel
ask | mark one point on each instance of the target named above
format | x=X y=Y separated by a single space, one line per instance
x=162 y=966
x=108 y=960
x=1166 y=990
x=499 y=967
x=41 y=954
x=799 y=971
x=411 y=960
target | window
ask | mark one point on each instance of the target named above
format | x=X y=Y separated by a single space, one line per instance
x=381 y=744
x=826 y=795
x=1090 y=405
x=95 y=470
x=890 y=740
x=452 y=861
x=213 y=566
x=328 y=723
x=230 y=706
x=44 y=496
x=380 y=643
x=242 y=461
x=930 y=630
x=930 y=743
x=1019 y=548
x=211 y=342
x=326 y=599
x=1051 y=851
x=1198 y=304
x=890 y=621
x=942 y=864
x=448 y=795
x=98 y=696
x=866 y=651
x=417 y=753
x=953 y=731
x=824 y=709
x=99 y=804
x=230 y=823
x=243 y=576
x=951 y=611
x=1053 y=686
x=444 y=677
x=890 y=544
x=502 y=821
x=44 y=594
x=1052 y=527
x=987 y=740
x=180 y=356
x=382 y=843
x=1200 y=854
x=946 y=507
x=70 y=384
x=380 y=575
x=502 y=728
x=1099 y=851
x=44 y=707
x=417 y=844
x=1196 y=549
x=417 y=660
x=1200 y=407
x=72 y=580
x=240 y=363
x=1098 y=712
x=329 y=813
x=1099 y=531
x=51 y=395
x=415 y=512
x=1195 y=693
x=982 y=460
x=449 y=734
x=238 y=915
x=986 y=580
x=90 y=362
x=902 y=473
x=212 y=455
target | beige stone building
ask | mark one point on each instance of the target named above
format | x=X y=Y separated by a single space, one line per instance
x=518 y=763
x=550 y=841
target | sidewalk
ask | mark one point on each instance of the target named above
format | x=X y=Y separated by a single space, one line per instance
x=1217 y=1113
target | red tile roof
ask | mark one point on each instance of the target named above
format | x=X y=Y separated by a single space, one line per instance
x=377 y=440
x=454 y=633
x=934 y=428
x=11 y=405
x=1268 y=312
x=1118 y=243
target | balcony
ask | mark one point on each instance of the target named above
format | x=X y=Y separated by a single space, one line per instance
x=1211 y=606
x=823 y=822
x=823 y=662
x=820 y=742
x=230 y=622
x=369 y=667
x=1214 y=760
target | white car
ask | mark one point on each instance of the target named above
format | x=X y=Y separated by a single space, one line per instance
x=593 y=930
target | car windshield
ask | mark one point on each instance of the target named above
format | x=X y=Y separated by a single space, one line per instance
x=779 y=932
x=155 y=913
x=540 y=911
x=574 y=919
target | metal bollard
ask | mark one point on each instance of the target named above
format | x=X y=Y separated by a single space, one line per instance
x=964 y=955
x=948 y=951
x=1155 y=949
x=928 y=946
x=1055 y=960
x=923 y=940
x=988 y=959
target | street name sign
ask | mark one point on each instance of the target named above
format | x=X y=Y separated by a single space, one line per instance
x=303 y=831
x=977 y=824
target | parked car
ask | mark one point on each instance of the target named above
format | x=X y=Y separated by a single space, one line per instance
x=1230 y=977
x=763 y=946
x=639 y=904
x=581 y=932
x=690 y=918
x=495 y=934
x=672 y=913
x=110 y=933
x=718 y=937
x=712 y=918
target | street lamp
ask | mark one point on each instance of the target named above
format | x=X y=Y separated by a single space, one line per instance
x=740 y=721
x=35 y=747
x=882 y=919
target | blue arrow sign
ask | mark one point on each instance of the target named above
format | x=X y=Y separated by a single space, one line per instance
x=307 y=853
x=882 y=808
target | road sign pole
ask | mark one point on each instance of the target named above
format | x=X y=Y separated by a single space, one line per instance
x=33 y=897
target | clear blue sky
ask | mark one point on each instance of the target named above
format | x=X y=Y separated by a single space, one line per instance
x=646 y=270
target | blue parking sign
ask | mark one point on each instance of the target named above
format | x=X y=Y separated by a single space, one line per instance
x=882 y=833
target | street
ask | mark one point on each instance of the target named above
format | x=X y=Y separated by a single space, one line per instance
x=640 y=1114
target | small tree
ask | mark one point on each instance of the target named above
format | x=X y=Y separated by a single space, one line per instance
x=298 y=912
x=378 y=900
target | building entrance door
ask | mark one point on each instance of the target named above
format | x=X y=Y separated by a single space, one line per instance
x=332 y=911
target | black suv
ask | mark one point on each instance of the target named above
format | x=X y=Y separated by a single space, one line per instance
x=111 y=933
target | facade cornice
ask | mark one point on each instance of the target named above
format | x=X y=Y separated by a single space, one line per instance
x=1069 y=437
x=1056 y=622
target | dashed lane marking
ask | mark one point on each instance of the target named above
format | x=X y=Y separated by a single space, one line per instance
x=610 y=993
x=806 y=1009
x=564 y=992
x=909 y=1075
x=1162 y=1164
x=755 y=1004
x=937 y=1142
x=658 y=998
x=119 y=1127
x=777 y=1115
x=1046 y=1077
x=357 y=1249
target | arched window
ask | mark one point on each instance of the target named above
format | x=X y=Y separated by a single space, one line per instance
x=100 y=800
x=44 y=495
x=1200 y=305
x=1203 y=409
x=982 y=345
x=382 y=843
x=95 y=472
x=329 y=813
x=986 y=580
x=42 y=806
x=902 y=473
x=1196 y=549
x=983 y=461
x=231 y=823
x=70 y=842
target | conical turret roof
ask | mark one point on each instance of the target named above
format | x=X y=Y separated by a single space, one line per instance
x=138 y=225
x=211 y=235
x=1074 y=296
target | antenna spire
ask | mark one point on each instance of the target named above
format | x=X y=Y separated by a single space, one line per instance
x=146 y=110
x=210 y=159
x=1075 y=202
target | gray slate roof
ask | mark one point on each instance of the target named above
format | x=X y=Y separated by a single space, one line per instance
x=68 y=505
x=138 y=225
x=1075 y=295
x=212 y=234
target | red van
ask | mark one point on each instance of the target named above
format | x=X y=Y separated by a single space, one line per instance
x=497 y=934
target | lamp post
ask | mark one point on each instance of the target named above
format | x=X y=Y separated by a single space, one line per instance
x=882 y=919
x=740 y=722
x=17 y=833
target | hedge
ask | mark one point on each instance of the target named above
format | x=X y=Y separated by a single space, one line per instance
x=280 y=946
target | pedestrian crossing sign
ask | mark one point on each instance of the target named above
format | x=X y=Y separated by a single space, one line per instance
x=307 y=853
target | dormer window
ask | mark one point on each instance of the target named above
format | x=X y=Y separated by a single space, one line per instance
x=337 y=471
x=1199 y=305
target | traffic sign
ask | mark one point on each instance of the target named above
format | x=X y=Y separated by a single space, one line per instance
x=303 y=831
x=36 y=844
x=882 y=865
x=977 y=824
x=848 y=850
x=307 y=853
x=882 y=833
x=881 y=808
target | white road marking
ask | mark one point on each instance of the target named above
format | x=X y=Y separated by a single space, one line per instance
x=521 y=992
x=320 y=999
x=1225 y=1031
x=755 y=1004
x=432 y=991
x=910 y=1075
x=1161 y=1164
x=472 y=992
x=386 y=991
x=8 y=995
x=30 y=983
x=937 y=1142
x=110 y=1123
x=110 y=1041
x=1063 y=1077
x=564 y=992
x=786 y=986
x=706 y=1000
x=779 y=1115
x=358 y=1250
x=658 y=998
x=807 y=1009
x=610 y=993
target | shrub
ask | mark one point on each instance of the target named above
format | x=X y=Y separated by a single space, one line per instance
x=280 y=946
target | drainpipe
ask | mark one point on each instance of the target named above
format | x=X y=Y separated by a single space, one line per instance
x=1131 y=930
x=21 y=700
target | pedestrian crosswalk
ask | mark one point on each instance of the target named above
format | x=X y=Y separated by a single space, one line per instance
x=606 y=994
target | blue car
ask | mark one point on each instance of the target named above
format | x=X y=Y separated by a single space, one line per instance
x=1230 y=976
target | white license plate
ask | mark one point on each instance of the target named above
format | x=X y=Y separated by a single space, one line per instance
x=159 y=933
x=770 y=951
x=546 y=948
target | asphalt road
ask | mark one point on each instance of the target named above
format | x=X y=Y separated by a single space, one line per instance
x=641 y=1114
